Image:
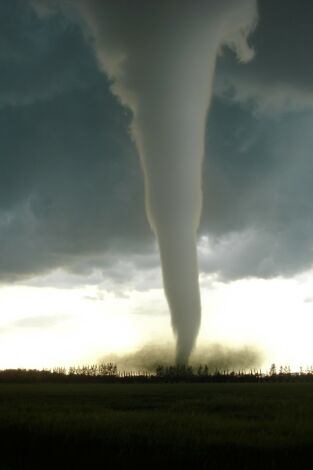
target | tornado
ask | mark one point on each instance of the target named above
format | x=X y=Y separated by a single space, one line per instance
x=160 y=58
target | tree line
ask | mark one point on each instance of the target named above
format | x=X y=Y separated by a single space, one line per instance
x=109 y=373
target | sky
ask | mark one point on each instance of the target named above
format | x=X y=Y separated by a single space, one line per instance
x=80 y=274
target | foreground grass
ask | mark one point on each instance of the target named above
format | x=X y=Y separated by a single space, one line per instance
x=203 y=425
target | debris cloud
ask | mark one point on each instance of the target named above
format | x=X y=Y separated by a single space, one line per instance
x=216 y=357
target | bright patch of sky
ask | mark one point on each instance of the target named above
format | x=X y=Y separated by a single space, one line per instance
x=46 y=327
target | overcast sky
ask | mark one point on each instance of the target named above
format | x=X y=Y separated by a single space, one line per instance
x=71 y=188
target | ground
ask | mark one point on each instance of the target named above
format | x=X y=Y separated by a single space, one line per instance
x=263 y=425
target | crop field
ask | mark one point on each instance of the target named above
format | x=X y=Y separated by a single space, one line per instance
x=264 y=425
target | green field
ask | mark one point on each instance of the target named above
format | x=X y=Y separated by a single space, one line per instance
x=201 y=425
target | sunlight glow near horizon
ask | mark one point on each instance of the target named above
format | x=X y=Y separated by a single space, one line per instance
x=46 y=327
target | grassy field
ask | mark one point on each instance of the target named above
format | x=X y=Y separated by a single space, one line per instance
x=200 y=425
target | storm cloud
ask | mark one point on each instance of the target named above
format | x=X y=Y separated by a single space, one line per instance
x=71 y=190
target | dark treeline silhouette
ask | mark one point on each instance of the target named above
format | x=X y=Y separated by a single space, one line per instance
x=87 y=373
x=203 y=374
x=109 y=373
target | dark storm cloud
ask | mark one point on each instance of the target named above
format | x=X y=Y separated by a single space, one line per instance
x=258 y=170
x=70 y=185
x=258 y=192
x=71 y=192
x=281 y=76
x=40 y=60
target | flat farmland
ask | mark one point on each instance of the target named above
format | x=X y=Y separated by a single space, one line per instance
x=263 y=425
